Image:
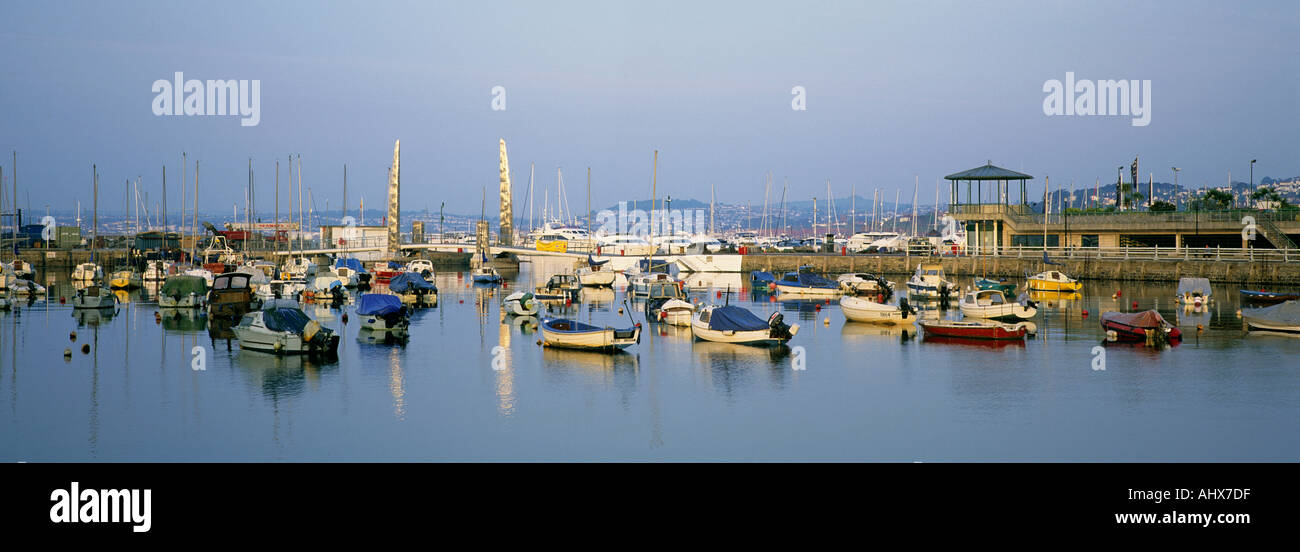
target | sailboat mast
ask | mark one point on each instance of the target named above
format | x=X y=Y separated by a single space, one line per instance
x=94 y=225
x=654 y=192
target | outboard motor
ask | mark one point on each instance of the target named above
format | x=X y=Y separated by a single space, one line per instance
x=779 y=329
x=906 y=307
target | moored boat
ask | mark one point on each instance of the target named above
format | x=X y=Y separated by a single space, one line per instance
x=805 y=282
x=993 y=304
x=87 y=272
x=974 y=329
x=733 y=324
x=1001 y=284
x=125 y=278
x=485 y=274
x=183 y=291
x=1194 y=292
x=1282 y=317
x=595 y=274
x=1053 y=280
x=157 y=271
x=414 y=289
x=231 y=297
x=1266 y=297
x=521 y=303
x=1136 y=325
x=571 y=334
x=94 y=297
x=667 y=303
x=282 y=328
x=929 y=282
x=857 y=309
x=864 y=284
x=382 y=312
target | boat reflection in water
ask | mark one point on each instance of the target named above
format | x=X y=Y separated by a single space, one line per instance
x=976 y=343
x=396 y=336
x=93 y=317
x=184 y=320
x=619 y=369
x=526 y=325
x=1054 y=299
x=280 y=376
x=597 y=295
x=899 y=332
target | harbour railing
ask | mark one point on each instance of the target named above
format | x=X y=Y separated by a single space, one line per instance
x=1125 y=253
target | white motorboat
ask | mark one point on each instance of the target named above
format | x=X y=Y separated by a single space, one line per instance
x=521 y=303
x=594 y=274
x=625 y=245
x=282 y=289
x=325 y=287
x=666 y=303
x=861 y=283
x=19 y=268
x=284 y=329
x=929 y=282
x=857 y=309
x=422 y=267
x=732 y=324
x=485 y=274
x=993 y=304
x=87 y=272
x=94 y=297
x=297 y=268
x=183 y=291
x=201 y=272
x=571 y=334
x=25 y=288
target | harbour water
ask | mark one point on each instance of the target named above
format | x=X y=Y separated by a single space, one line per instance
x=470 y=385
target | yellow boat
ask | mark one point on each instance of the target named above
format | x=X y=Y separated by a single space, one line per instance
x=552 y=242
x=1053 y=280
x=125 y=279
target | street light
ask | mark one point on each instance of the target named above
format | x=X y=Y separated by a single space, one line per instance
x=1119 y=181
x=1176 y=169
x=1252 y=177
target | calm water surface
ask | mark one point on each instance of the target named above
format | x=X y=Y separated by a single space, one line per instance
x=866 y=393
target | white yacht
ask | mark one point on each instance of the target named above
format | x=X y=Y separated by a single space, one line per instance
x=624 y=244
x=87 y=272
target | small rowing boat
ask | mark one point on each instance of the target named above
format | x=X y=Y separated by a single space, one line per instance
x=1267 y=296
x=974 y=329
x=571 y=334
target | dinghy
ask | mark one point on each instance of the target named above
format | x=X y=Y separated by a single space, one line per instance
x=993 y=304
x=1134 y=326
x=571 y=334
x=183 y=292
x=974 y=329
x=284 y=329
x=521 y=303
x=732 y=324
x=857 y=309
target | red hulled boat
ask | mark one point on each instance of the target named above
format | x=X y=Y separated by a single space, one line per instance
x=972 y=329
x=1134 y=326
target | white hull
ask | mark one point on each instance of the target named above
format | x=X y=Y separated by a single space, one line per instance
x=599 y=278
x=85 y=273
x=756 y=337
x=256 y=339
x=186 y=302
x=514 y=307
x=999 y=312
x=808 y=291
x=677 y=315
x=379 y=324
x=861 y=310
x=709 y=263
x=597 y=340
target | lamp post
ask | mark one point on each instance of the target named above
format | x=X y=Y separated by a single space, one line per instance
x=1119 y=182
x=1252 y=177
x=1176 y=169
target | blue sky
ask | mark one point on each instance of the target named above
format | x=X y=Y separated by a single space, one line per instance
x=894 y=91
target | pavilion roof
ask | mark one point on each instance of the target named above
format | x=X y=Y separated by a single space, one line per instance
x=988 y=172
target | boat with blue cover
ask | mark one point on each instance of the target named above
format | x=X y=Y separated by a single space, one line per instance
x=380 y=311
x=413 y=289
x=284 y=329
x=732 y=324
x=805 y=282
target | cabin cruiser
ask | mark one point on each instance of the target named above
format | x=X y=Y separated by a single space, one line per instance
x=282 y=289
x=595 y=275
x=862 y=283
x=624 y=244
x=929 y=282
x=993 y=304
x=87 y=272
x=232 y=296
x=485 y=274
x=298 y=267
x=560 y=287
x=183 y=291
x=883 y=242
x=1053 y=280
x=325 y=288
x=733 y=324
x=352 y=272
x=1194 y=292
x=665 y=302
x=423 y=267
x=382 y=312
x=19 y=268
x=94 y=297
x=157 y=271
x=282 y=328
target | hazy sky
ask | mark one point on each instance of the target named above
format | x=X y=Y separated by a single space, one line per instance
x=894 y=91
